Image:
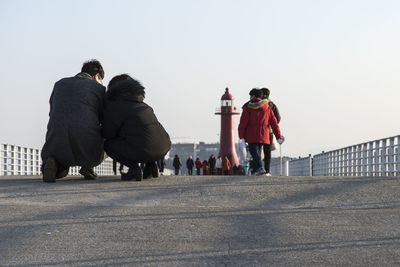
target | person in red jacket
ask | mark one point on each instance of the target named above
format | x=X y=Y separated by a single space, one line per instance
x=198 y=165
x=226 y=165
x=254 y=124
x=205 y=167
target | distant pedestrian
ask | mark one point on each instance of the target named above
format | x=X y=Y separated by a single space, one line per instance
x=212 y=161
x=121 y=167
x=161 y=165
x=198 y=166
x=226 y=165
x=205 y=167
x=189 y=165
x=253 y=127
x=218 y=165
x=73 y=135
x=177 y=164
x=271 y=146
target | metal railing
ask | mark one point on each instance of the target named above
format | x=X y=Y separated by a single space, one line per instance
x=375 y=158
x=301 y=166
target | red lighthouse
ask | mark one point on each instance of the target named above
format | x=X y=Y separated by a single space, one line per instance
x=227 y=140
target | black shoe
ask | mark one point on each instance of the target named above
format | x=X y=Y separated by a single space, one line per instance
x=133 y=173
x=50 y=171
x=62 y=172
x=88 y=174
x=150 y=170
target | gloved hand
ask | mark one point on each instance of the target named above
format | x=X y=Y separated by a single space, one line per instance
x=280 y=141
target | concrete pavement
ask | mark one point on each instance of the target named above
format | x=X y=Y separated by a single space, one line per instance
x=200 y=221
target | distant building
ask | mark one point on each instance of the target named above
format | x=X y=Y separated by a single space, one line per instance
x=17 y=160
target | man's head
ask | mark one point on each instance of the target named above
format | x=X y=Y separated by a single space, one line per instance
x=255 y=92
x=93 y=68
x=265 y=93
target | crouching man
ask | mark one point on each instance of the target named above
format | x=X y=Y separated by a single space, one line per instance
x=73 y=135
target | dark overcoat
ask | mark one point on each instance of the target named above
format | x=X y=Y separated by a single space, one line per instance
x=130 y=126
x=73 y=135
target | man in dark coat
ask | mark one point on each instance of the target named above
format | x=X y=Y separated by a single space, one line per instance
x=212 y=161
x=177 y=164
x=268 y=147
x=73 y=135
x=190 y=165
x=132 y=132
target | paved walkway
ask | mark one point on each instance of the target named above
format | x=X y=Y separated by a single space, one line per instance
x=200 y=221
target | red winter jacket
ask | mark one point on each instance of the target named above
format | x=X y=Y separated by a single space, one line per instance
x=254 y=121
x=205 y=165
x=198 y=164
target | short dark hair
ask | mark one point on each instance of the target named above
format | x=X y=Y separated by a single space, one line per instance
x=118 y=78
x=255 y=92
x=93 y=67
x=265 y=92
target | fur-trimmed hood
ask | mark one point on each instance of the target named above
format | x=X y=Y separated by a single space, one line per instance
x=130 y=90
x=257 y=103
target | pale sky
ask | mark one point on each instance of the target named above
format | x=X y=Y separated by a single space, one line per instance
x=332 y=66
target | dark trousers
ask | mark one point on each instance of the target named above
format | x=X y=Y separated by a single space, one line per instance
x=219 y=171
x=267 y=156
x=190 y=171
x=204 y=172
x=176 y=171
x=212 y=171
x=198 y=171
x=255 y=151
x=226 y=172
x=115 y=155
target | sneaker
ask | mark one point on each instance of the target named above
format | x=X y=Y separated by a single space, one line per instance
x=260 y=171
x=268 y=174
x=50 y=171
x=88 y=174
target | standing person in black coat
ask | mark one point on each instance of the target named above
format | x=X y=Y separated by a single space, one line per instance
x=161 y=165
x=212 y=161
x=73 y=135
x=131 y=129
x=189 y=165
x=268 y=147
x=177 y=164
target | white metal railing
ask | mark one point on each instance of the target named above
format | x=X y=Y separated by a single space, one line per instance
x=301 y=166
x=375 y=158
x=19 y=160
x=275 y=167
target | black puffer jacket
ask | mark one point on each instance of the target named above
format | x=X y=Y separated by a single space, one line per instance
x=131 y=127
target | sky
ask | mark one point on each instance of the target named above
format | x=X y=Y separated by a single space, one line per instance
x=332 y=65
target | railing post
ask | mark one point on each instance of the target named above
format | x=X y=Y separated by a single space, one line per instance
x=377 y=151
x=345 y=161
x=365 y=159
x=398 y=156
x=391 y=157
x=384 y=164
x=359 y=160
